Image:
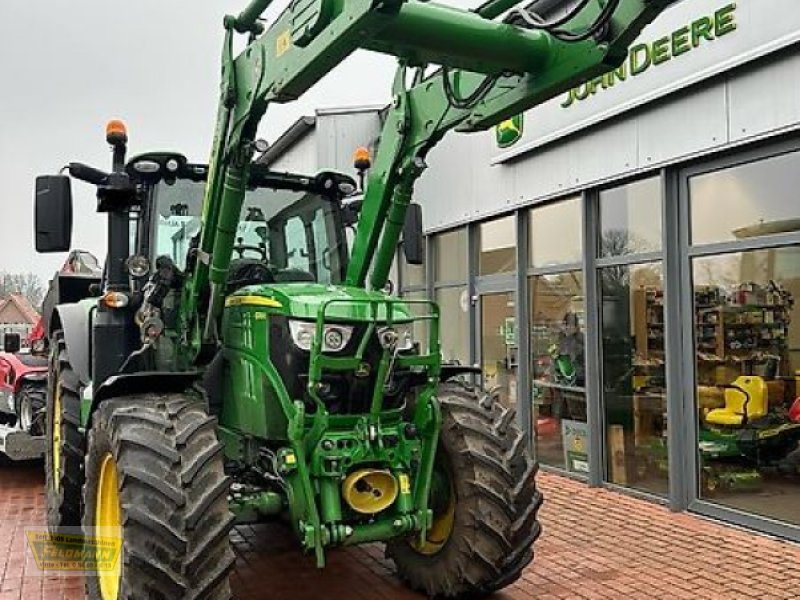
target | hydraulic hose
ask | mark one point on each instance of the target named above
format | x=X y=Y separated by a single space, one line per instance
x=495 y=8
x=247 y=21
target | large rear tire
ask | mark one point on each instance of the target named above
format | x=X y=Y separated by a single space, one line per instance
x=64 y=451
x=485 y=502
x=154 y=477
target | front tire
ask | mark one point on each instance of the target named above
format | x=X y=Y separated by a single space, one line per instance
x=483 y=533
x=154 y=477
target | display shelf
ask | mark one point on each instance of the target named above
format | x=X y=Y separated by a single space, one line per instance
x=749 y=324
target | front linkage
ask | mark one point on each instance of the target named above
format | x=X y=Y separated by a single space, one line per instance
x=395 y=448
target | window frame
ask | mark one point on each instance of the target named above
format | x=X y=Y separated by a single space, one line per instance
x=688 y=252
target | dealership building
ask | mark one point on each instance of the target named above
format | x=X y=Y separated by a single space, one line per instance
x=623 y=262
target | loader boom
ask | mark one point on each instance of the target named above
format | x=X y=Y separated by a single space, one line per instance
x=490 y=71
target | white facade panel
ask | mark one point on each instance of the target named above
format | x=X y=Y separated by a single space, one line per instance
x=331 y=141
x=460 y=182
x=343 y=134
x=696 y=123
x=300 y=158
x=602 y=152
x=766 y=99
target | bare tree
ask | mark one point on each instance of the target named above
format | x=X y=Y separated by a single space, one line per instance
x=28 y=285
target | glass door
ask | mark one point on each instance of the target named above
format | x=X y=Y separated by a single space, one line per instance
x=498 y=349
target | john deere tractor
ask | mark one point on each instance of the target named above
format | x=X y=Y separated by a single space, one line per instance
x=240 y=362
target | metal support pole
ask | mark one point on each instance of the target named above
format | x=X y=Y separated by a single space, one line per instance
x=521 y=314
x=594 y=372
x=673 y=342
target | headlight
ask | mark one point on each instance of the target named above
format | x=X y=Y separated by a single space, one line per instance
x=334 y=337
x=401 y=334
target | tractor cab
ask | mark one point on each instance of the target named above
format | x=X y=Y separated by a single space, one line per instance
x=290 y=229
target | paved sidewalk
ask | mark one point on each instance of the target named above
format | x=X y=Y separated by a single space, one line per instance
x=596 y=544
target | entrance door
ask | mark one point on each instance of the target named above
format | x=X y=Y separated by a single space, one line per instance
x=498 y=348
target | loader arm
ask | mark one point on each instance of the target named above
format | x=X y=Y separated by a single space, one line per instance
x=491 y=71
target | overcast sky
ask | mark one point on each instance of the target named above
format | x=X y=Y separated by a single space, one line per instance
x=68 y=66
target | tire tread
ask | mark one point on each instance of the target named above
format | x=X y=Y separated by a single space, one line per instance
x=497 y=508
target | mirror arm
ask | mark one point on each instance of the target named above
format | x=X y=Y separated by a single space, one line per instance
x=88 y=174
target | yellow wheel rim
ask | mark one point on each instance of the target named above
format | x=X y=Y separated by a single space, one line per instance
x=440 y=531
x=57 y=437
x=108 y=520
x=443 y=523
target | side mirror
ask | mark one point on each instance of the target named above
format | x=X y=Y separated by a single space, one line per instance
x=351 y=212
x=53 y=213
x=12 y=343
x=413 y=240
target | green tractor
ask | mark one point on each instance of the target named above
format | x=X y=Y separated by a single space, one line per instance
x=240 y=363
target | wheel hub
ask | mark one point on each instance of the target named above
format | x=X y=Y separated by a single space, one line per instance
x=25 y=414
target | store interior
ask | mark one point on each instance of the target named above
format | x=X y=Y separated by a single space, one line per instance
x=747 y=339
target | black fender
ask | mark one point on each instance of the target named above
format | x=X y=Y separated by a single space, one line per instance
x=75 y=321
x=144 y=382
x=450 y=371
x=35 y=377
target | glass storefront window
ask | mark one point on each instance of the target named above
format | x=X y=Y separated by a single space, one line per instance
x=558 y=368
x=499 y=346
x=498 y=245
x=746 y=201
x=454 y=324
x=411 y=275
x=747 y=340
x=450 y=256
x=630 y=218
x=420 y=325
x=556 y=234
x=634 y=386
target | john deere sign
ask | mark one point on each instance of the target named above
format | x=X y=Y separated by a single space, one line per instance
x=644 y=56
x=690 y=45
x=509 y=131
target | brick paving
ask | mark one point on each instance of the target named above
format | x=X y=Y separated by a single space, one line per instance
x=596 y=544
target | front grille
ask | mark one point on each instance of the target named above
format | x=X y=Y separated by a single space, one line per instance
x=345 y=392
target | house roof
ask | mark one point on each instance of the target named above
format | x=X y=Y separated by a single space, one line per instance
x=15 y=308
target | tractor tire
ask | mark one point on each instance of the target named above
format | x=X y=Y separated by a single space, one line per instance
x=493 y=505
x=156 y=462
x=64 y=451
x=29 y=405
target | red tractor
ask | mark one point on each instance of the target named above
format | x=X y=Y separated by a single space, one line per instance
x=23 y=390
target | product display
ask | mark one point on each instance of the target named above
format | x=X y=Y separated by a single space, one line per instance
x=649 y=397
x=747 y=431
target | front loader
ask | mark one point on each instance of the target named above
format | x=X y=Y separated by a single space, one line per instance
x=241 y=364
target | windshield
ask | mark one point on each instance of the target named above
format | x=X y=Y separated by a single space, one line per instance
x=297 y=236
